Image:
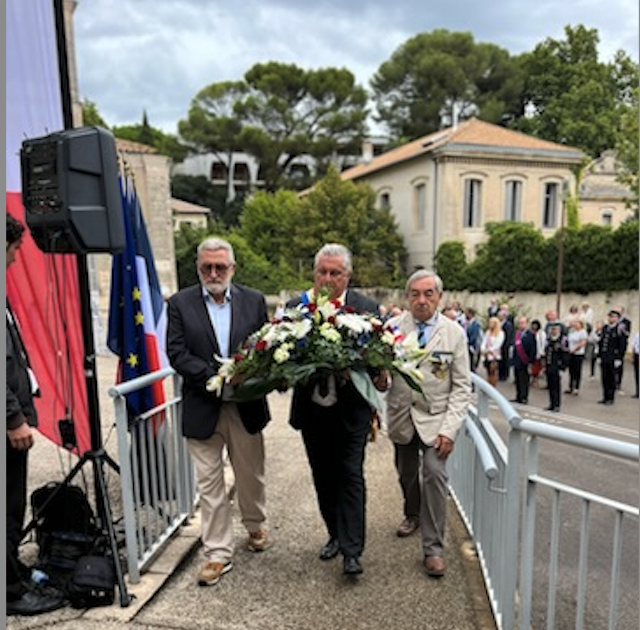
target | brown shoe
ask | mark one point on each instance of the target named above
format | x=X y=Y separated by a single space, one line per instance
x=211 y=572
x=258 y=541
x=408 y=526
x=435 y=566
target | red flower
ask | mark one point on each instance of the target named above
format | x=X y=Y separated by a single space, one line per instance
x=331 y=320
x=349 y=309
x=312 y=307
x=261 y=345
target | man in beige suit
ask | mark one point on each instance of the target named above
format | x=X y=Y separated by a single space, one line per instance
x=429 y=424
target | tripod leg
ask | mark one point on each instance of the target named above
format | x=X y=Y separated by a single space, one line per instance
x=125 y=599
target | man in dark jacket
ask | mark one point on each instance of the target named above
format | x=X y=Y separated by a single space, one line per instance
x=23 y=597
x=611 y=348
x=556 y=361
x=337 y=427
x=524 y=354
x=209 y=320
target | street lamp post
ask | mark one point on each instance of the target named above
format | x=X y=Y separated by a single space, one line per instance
x=565 y=193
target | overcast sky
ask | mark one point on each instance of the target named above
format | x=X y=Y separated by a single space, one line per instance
x=157 y=54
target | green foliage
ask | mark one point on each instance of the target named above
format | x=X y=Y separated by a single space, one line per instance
x=278 y=113
x=451 y=264
x=516 y=257
x=576 y=99
x=338 y=211
x=199 y=190
x=186 y=244
x=433 y=72
x=627 y=148
x=91 y=116
x=164 y=143
x=287 y=231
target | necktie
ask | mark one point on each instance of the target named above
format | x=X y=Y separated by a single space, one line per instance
x=423 y=334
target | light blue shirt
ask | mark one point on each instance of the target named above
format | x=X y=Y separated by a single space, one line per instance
x=220 y=316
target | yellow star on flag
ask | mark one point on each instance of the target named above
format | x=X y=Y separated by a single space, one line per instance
x=132 y=360
x=139 y=318
x=135 y=294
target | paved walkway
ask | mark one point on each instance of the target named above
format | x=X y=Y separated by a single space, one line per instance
x=287 y=587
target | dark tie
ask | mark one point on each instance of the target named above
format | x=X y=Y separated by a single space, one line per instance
x=423 y=336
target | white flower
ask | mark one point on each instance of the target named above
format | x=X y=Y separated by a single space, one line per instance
x=281 y=354
x=301 y=329
x=355 y=324
x=330 y=333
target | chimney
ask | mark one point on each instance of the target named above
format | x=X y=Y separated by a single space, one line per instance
x=367 y=151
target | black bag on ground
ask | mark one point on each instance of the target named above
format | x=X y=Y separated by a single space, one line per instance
x=92 y=583
x=65 y=529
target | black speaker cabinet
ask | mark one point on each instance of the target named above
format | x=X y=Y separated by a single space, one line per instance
x=70 y=191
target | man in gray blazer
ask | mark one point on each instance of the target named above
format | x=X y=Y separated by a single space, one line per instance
x=209 y=320
x=428 y=424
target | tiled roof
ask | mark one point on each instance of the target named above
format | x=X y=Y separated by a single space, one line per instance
x=129 y=146
x=470 y=135
x=181 y=206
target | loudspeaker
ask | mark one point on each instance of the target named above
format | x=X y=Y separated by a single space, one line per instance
x=71 y=193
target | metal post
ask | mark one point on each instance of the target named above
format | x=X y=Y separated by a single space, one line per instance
x=565 y=193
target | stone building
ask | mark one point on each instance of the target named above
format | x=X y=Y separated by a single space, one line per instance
x=448 y=185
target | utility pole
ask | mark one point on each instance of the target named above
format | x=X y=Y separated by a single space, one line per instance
x=565 y=194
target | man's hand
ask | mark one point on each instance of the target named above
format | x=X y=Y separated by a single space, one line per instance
x=21 y=437
x=443 y=446
x=381 y=381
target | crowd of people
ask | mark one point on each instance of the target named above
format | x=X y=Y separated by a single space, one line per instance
x=209 y=320
x=547 y=352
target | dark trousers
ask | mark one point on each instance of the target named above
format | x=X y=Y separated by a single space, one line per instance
x=636 y=372
x=503 y=368
x=521 y=374
x=575 y=371
x=608 y=379
x=407 y=459
x=16 y=507
x=335 y=439
x=553 y=381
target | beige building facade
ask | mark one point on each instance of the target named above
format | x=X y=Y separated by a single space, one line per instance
x=448 y=185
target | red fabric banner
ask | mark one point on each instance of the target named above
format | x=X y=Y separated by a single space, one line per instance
x=44 y=294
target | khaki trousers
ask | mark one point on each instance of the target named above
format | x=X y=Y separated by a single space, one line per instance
x=246 y=454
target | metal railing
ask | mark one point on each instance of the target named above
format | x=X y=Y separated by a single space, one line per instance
x=157 y=477
x=497 y=487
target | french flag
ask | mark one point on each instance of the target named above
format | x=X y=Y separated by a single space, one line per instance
x=137 y=307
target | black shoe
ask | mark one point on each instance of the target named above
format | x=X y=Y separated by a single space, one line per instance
x=608 y=402
x=549 y=408
x=602 y=402
x=352 y=565
x=32 y=603
x=514 y=400
x=556 y=409
x=330 y=550
x=635 y=396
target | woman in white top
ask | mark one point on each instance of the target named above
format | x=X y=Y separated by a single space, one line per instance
x=577 y=346
x=491 y=349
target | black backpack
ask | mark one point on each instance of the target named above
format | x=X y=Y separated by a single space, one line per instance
x=65 y=528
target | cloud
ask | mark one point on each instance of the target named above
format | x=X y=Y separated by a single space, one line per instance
x=157 y=54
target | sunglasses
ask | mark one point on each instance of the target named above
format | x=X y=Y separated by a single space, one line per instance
x=220 y=269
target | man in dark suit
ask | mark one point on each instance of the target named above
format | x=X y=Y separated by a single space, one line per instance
x=524 y=354
x=22 y=596
x=611 y=350
x=209 y=321
x=335 y=432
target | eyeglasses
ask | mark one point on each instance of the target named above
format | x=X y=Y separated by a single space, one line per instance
x=220 y=269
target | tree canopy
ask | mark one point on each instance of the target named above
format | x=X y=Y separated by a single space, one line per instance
x=574 y=98
x=277 y=113
x=433 y=73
